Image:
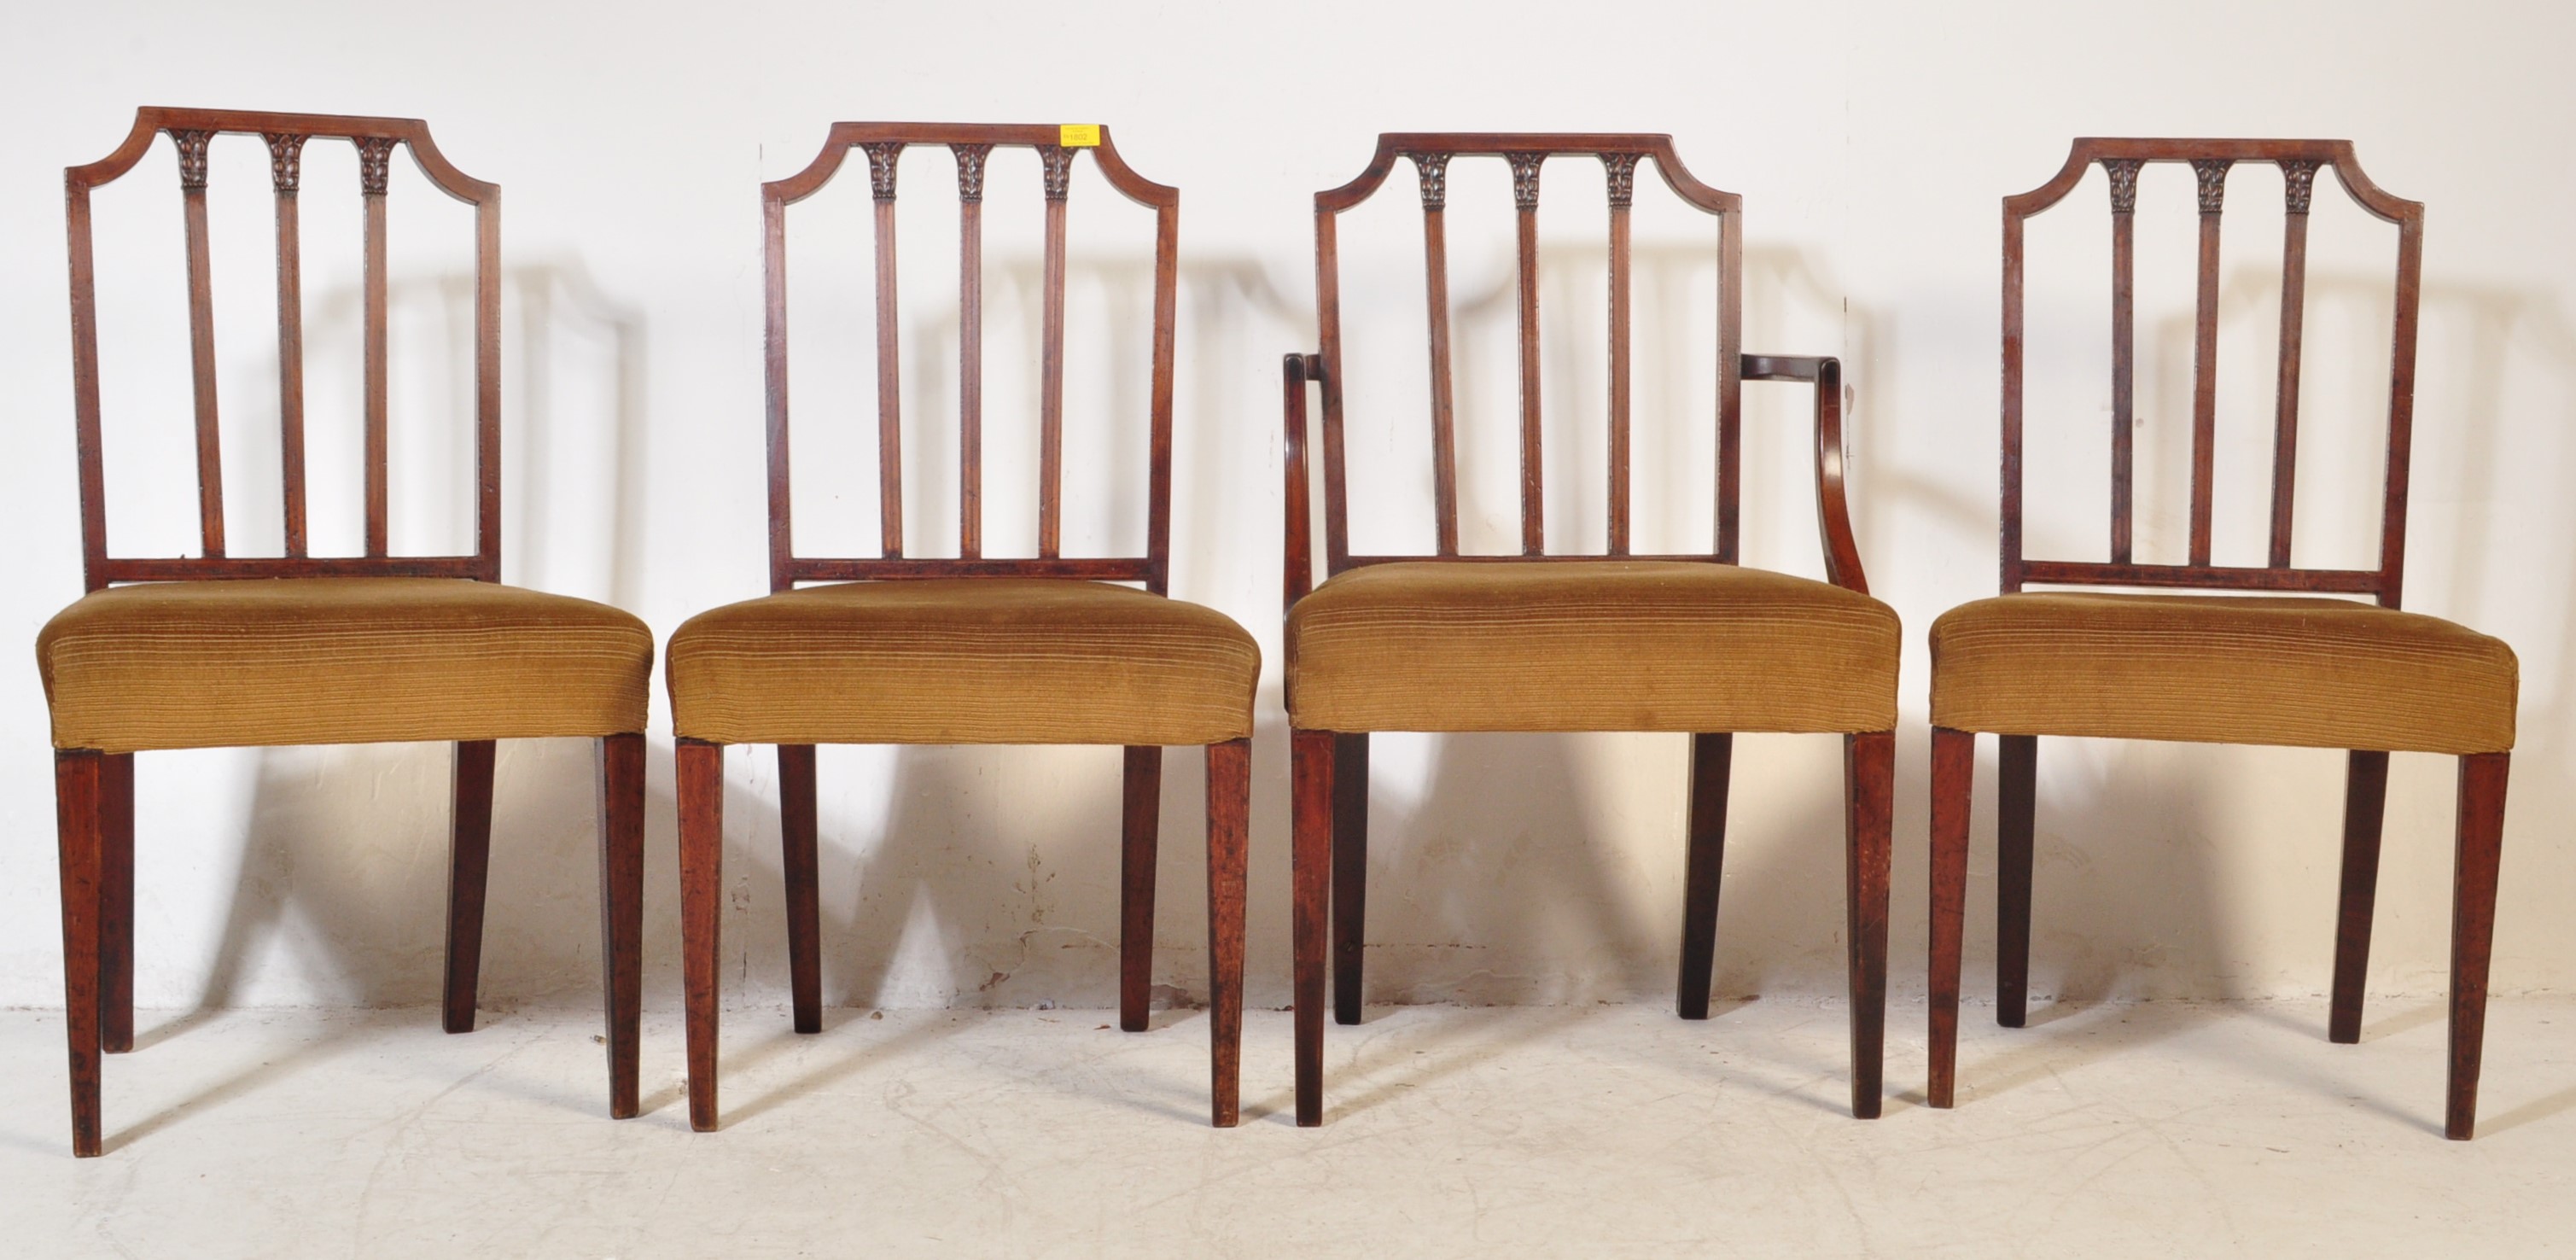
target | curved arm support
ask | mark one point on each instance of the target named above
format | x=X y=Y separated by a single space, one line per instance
x=1833 y=510
x=1295 y=371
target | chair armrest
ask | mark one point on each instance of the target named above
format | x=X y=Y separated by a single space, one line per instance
x=1833 y=514
x=1295 y=371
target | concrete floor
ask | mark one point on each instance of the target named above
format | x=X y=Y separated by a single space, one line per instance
x=2163 y=1129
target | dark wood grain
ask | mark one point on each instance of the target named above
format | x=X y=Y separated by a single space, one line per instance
x=699 y=786
x=2473 y=900
x=1433 y=169
x=1229 y=833
x=1298 y=574
x=2298 y=180
x=1141 y=817
x=285 y=150
x=621 y=914
x=469 y=864
x=2016 y=807
x=377 y=442
x=1525 y=175
x=1954 y=775
x=1712 y=761
x=116 y=903
x=1620 y=171
x=1869 y=776
x=2204 y=357
x=882 y=156
x=1058 y=163
x=1350 y=872
x=2365 y=805
x=970 y=347
x=799 y=844
x=2123 y=174
x=192 y=144
x=76 y=820
x=1310 y=774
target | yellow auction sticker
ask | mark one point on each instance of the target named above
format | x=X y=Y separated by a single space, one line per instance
x=1079 y=135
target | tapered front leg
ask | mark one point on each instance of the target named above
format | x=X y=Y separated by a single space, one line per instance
x=1350 y=872
x=799 y=857
x=621 y=912
x=1310 y=770
x=1869 y=778
x=2473 y=898
x=700 y=789
x=2016 y=809
x=76 y=821
x=1229 y=830
x=116 y=903
x=1140 y=818
x=1712 y=756
x=2365 y=803
x=1954 y=774
x=469 y=861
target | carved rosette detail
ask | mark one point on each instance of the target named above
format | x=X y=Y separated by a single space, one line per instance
x=374 y=153
x=970 y=170
x=1433 y=168
x=1525 y=178
x=1622 y=169
x=2298 y=180
x=192 y=157
x=2124 y=183
x=1057 y=161
x=2213 y=181
x=285 y=161
x=881 y=156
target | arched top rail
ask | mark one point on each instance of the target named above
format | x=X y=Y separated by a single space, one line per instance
x=1044 y=137
x=411 y=133
x=1441 y=145
x=2301 y=156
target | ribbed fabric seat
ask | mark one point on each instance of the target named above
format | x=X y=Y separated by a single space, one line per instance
x=963 y=661
x=1610 y=645
x=338 y=660
x=2320 y=673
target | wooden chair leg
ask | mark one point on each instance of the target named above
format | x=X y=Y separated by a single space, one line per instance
x=469 y=861
x=1141 y=818
x=1310 y=770
x=1229 y=826
x=799 y=859
x=2473 y=898
x=1954 y=776
x=76 y=819
x=116 y=903
x=621 y=912
x=2365 y=802
x=1350 y=871
x=1712 y=756
x=2016 y=804
x=699 y=787
x=1869 y=783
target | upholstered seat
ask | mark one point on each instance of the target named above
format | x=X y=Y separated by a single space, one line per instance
x=963 y=661
x=338 y=660
x=1609 y=645
x=2320 y=673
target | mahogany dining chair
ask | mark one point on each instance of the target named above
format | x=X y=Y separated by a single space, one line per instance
x=2295 y=660
x=225 y=650
x=1551 y=641
x=898 y=648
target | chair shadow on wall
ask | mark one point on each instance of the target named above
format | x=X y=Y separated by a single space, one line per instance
x=358 y=886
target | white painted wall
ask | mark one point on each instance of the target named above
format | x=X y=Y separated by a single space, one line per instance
x=1872 y=142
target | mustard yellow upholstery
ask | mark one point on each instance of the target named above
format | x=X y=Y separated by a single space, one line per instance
x=337 y=661
x=963 y=661
x=1610 y=645
x=2322 y=673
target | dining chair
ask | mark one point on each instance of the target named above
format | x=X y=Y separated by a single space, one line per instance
x=2300 y=661
x=226 y=650
x=1542 y=641
x=899 y=648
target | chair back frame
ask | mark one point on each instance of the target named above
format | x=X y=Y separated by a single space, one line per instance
x=971 y=145
x=191 y=131
x=1619 y=154
x=2299 y=161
